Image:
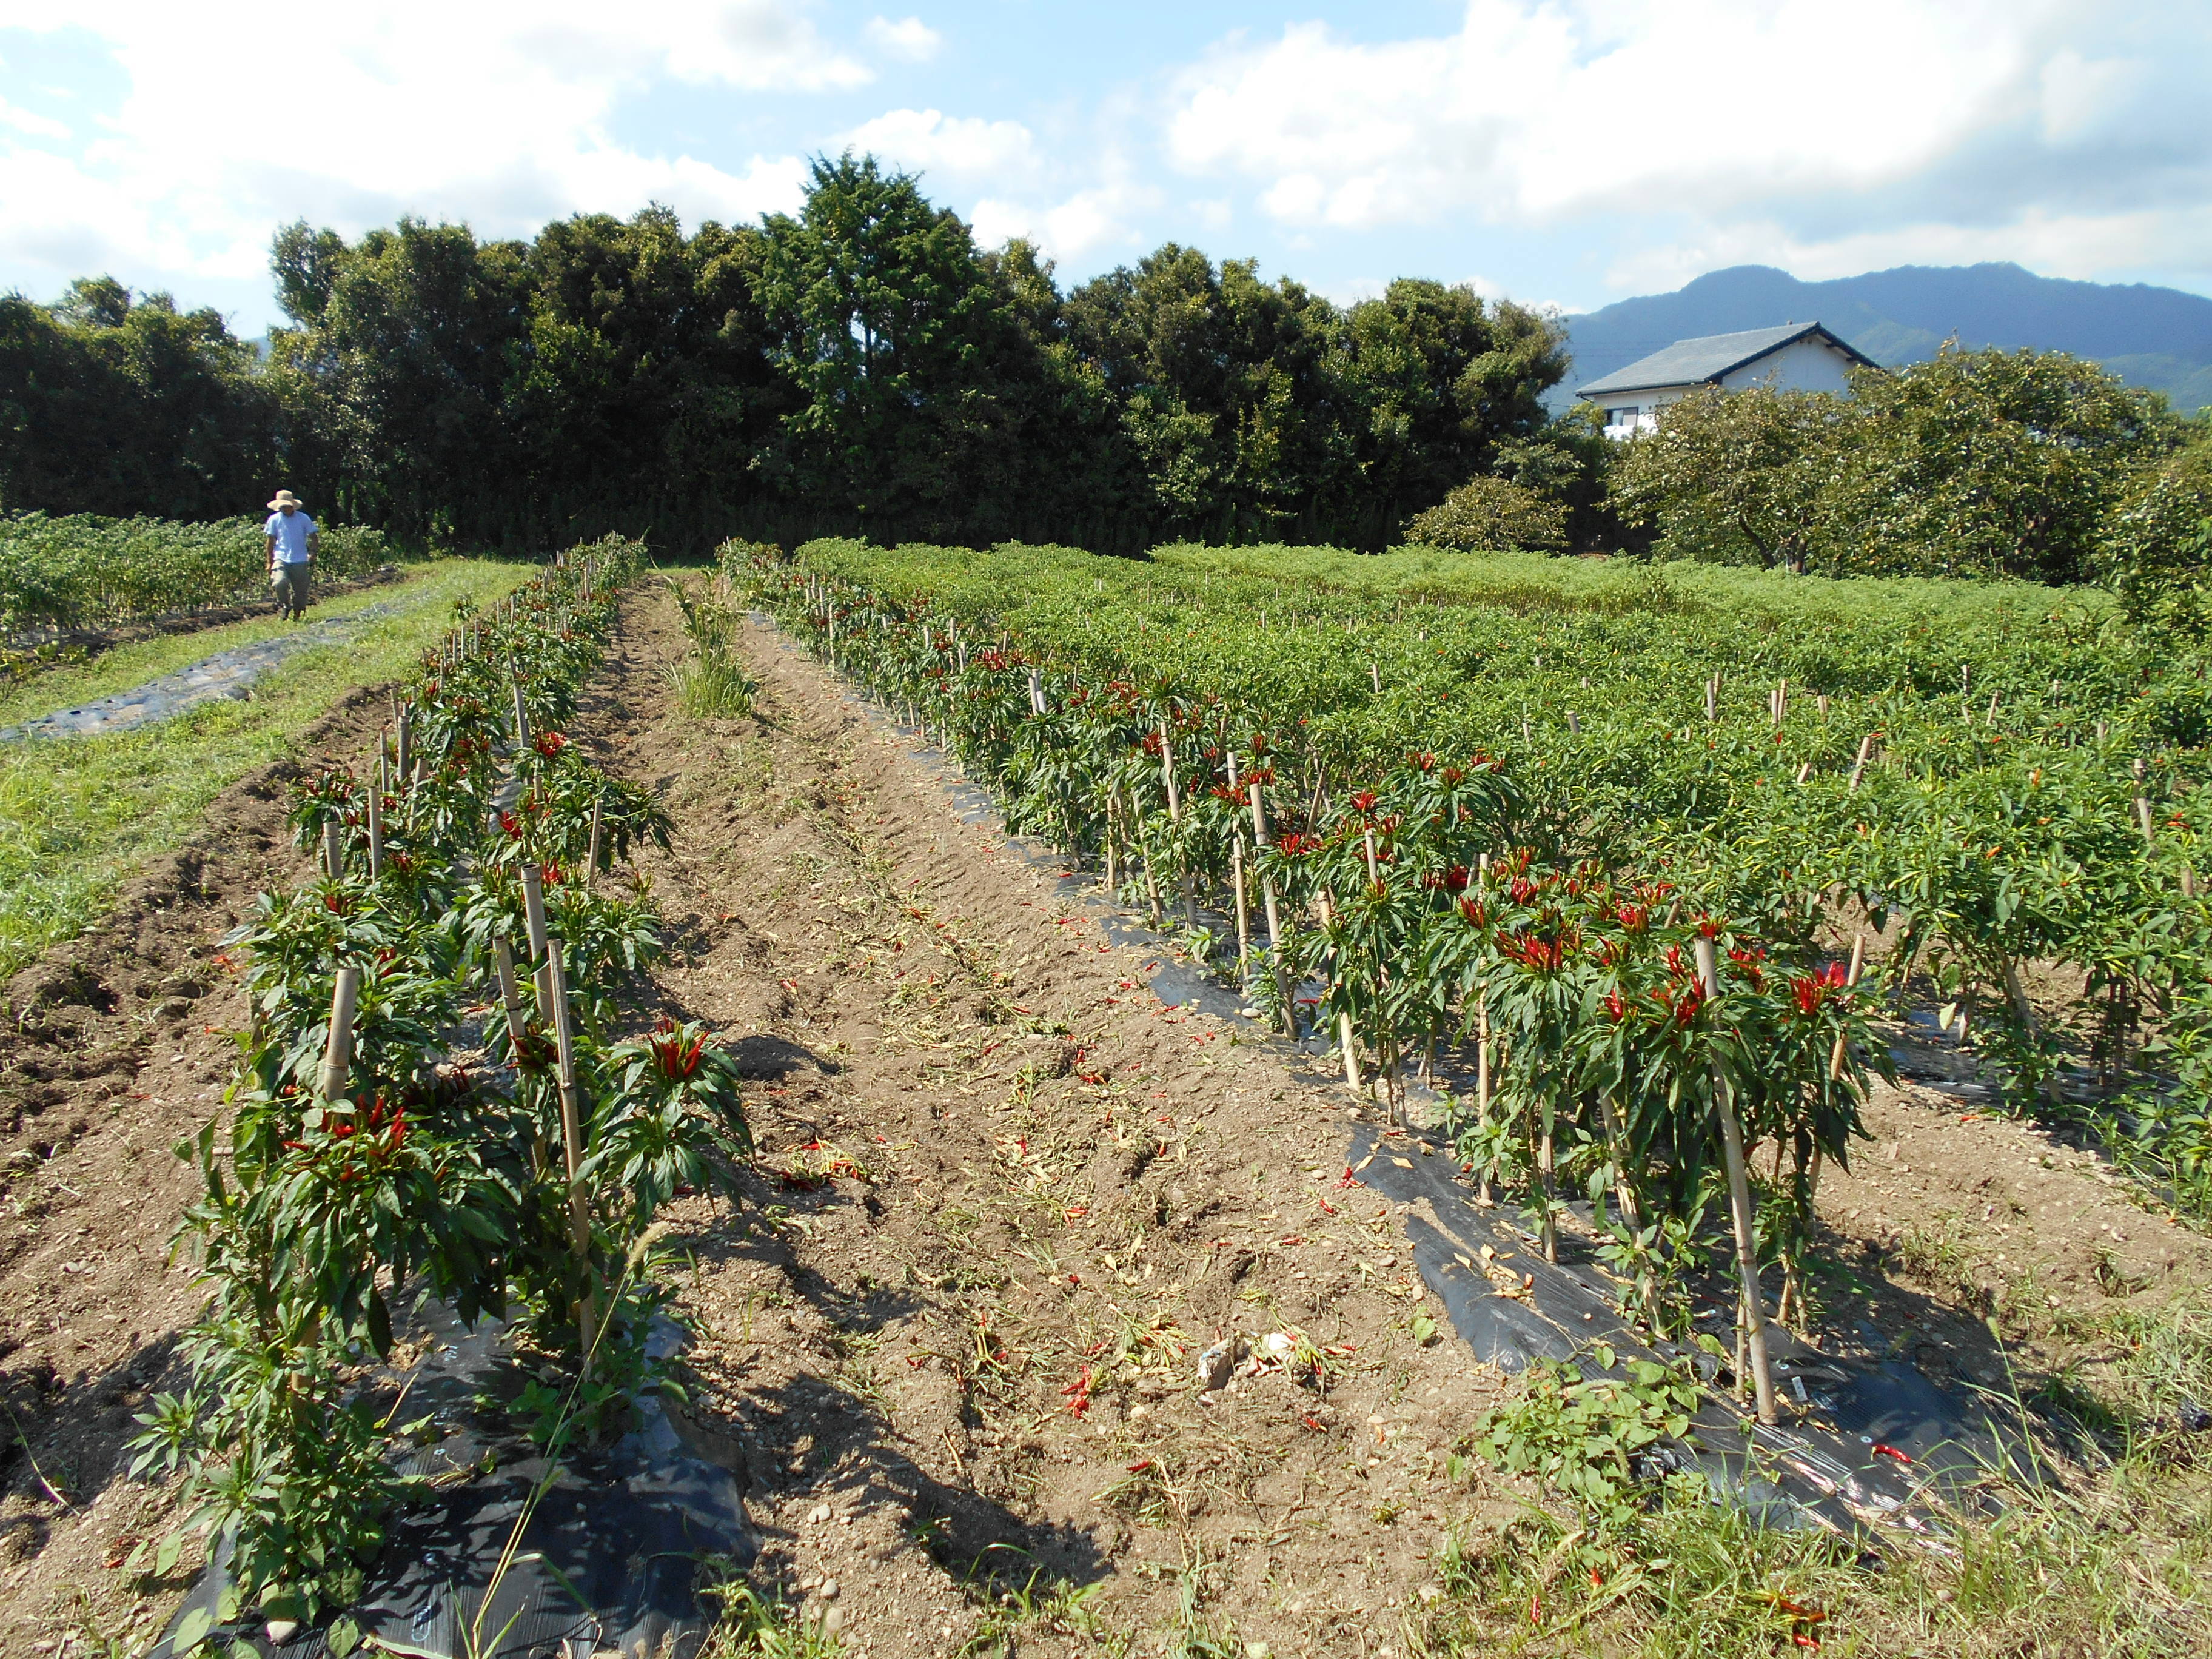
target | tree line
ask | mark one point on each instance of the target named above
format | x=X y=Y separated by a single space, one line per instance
x=863 y=368
x=859 y=367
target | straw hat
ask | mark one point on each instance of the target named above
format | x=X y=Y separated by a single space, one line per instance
x=285 y=498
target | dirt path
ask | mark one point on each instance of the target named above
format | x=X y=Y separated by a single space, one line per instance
x=1006 y=1201
x=1063 y=1180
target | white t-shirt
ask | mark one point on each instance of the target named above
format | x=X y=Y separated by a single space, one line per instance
x=291 y=530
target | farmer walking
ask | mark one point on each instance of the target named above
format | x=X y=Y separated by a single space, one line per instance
x=293 y=539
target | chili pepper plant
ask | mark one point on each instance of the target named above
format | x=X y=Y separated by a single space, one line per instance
x=370 y=1164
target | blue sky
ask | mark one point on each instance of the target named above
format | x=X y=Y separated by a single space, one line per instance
x=1567 y=152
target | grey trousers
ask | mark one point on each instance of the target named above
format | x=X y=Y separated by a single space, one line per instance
x=287 y=586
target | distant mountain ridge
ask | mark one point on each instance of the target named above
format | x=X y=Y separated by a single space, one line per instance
x=2159 y=337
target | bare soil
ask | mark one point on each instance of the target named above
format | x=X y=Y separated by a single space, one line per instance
x=1006 y=1201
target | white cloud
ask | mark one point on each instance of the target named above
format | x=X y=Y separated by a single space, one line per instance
x=1759 y=124
x=483 y=113
x=1214 y=213
x=1534 y=112
x=29 y=121
x=909 y=38
x=2080 y=96
x=1086 y=223
x=929 y=141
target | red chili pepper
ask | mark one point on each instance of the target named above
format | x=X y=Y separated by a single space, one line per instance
x=1078 y=1393
x=1882 y=1450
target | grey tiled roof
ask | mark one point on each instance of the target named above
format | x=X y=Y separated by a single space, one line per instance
x=1709 y=358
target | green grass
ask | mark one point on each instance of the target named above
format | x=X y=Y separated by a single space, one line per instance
x=711 y=682
x=78 y=815
x=2110 y=1554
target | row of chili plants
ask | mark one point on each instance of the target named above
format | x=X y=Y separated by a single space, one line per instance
x=2013 y=779
x=1632 y=1040
x=437 y=1098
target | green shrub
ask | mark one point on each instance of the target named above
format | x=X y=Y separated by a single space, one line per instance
x=1491 y=515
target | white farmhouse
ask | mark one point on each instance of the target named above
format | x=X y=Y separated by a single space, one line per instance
x=1794 y=357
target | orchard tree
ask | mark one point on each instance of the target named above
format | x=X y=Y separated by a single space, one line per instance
x=1733 y=477
x=1988 y=464
x=2156 y=550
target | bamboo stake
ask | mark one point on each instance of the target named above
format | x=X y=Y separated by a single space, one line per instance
x=1347 y=1038
x=510 y=994
x=533 y=916
x=1747 y=1244
x=337 y=1048
x=572 y=1143
x=592 y=865
x=1111 y=838
x=1274 y=918
x=1236 y=888
x=333 y=851
x=1548 y=1175
x=376 y=818
x=1836 y=1055
x=404 y=753
x=521 y=720
x=1859 y=766
x=1482 y=1062
x=1175 y=818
